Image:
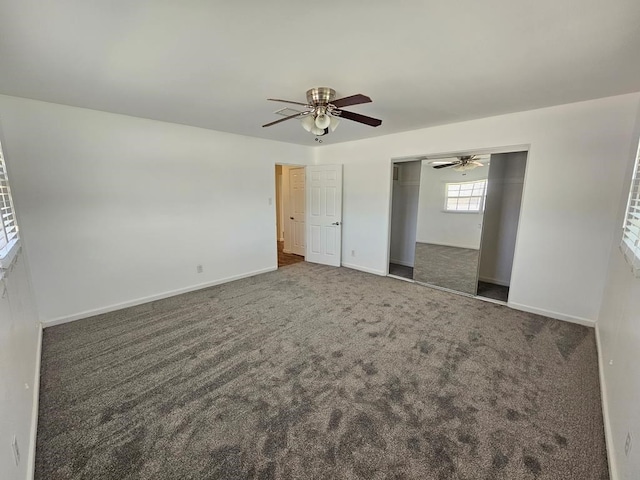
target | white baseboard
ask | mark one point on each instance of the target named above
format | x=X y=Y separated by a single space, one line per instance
x=31 y=465
x=494 y=281
x=558 y=316
x=401 y=262
x=150 y=298
x=608 y=434
x=364 y=269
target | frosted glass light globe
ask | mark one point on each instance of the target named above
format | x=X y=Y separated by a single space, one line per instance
x=317 y=130
x=323 y=121
x=308 y=123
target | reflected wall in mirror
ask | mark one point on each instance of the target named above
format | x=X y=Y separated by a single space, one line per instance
x=450 y=216
x=500 y=226
x=404 y=214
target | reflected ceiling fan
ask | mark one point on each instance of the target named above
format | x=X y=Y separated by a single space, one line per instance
x=464 y=162
x=323 y=111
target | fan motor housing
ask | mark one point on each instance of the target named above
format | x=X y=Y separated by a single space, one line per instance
x=321 y=95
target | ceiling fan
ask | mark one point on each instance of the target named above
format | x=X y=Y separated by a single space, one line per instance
x=464 y=162
x=323 y=111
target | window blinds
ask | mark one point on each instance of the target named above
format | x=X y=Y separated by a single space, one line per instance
x=631 y=230
x=9 y=228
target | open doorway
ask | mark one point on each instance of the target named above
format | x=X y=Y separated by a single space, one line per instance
x=404 y=218
x=290 y=214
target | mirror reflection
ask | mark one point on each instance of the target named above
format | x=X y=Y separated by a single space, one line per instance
x=449 y=225
x=454 y=221
x=500 y=226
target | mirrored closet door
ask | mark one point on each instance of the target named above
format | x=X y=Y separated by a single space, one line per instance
x=454 y=221
x=450 y=217
x=500 y=226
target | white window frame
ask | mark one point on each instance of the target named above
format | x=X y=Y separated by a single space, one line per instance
x=482 y=197
x=9 y=235
x=630 y=244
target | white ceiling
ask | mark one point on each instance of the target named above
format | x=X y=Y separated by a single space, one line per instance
x=213 y=63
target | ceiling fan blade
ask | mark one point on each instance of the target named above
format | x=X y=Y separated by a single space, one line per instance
x=284 y=119
x=287 y=101
x=446 y=165
x=356 y=117
x=356 y=99
x=476 y=163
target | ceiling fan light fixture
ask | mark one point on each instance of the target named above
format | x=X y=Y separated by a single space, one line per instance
x=317 y=130
x=324 y=112
x=308 y=123
x=464 y=167
x=333 y=123
x=322 y=119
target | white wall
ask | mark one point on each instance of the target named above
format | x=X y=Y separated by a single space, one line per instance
x=576 y=163
x=115 y=210
x=19 y=341
x=437 y=226
x=502 y=211
x=404 y=215
x=619 y=344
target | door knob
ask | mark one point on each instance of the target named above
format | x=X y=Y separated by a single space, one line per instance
x=291 y=218
x=335 y=223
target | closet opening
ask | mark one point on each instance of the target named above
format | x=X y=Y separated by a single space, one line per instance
x=454 y=220
x=404 y=218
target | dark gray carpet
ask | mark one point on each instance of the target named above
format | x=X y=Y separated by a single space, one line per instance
x=401 y=271
x=314 y=372
x=448 y=267
x=491 y=290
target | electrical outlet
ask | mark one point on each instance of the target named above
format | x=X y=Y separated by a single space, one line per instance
x=270 y=201
x=199 y=269
x=353 y=253
x=16 y=450
x=627 y=444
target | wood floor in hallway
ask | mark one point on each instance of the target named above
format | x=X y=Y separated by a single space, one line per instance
x=285 y=259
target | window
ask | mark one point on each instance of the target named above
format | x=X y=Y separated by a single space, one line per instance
x=631 y=229
x=466 y=196
x=8 y=225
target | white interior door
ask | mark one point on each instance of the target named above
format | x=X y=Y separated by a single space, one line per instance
x=324 y=214
x=297 y=217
